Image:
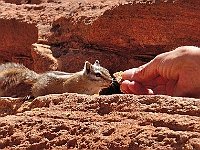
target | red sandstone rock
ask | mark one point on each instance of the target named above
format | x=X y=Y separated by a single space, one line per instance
x=43 y=58
x=120 y=35
x=100 y=122
x=16 y=38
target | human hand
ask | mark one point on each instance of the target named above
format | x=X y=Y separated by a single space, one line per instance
x=174 y=73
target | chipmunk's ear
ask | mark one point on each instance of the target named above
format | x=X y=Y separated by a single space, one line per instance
x=87 y=67
x=96 y=63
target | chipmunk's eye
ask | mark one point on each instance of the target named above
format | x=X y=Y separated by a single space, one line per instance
x=97 y=74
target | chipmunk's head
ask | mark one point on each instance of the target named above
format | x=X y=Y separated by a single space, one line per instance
x=98 y=75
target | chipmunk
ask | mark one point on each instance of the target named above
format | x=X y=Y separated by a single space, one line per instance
x=89 y=81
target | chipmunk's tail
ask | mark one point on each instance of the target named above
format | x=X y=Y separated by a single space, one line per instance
x=12 y=74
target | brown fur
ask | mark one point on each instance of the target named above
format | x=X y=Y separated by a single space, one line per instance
x=90 y=80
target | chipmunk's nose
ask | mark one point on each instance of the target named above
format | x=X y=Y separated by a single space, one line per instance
x=112 y=80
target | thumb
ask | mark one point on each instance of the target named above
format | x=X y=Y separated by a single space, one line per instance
x=144 y=73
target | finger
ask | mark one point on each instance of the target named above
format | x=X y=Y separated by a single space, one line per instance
x=127 y=75
x=161 y=81
x=137 y=88
x=170 y=87
x=144 y=73
x=133 y=88
x=124 y=87
x=161 y=89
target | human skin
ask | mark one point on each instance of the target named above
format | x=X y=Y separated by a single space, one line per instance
x=174 y=73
